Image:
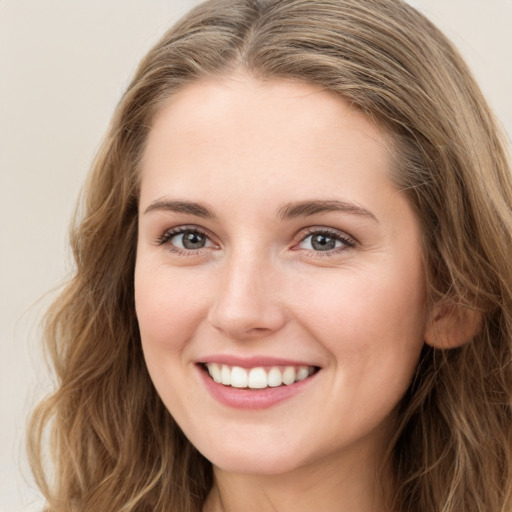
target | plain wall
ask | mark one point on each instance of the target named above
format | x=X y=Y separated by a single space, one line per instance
x=63 y=66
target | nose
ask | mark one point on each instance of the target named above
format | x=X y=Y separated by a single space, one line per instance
x=247 y=305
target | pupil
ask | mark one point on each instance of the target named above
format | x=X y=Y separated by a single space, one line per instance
x=193 y=241
x=323 y=242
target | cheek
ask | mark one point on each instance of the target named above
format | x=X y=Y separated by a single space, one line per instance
x=373 y=325
x=351 y=303
x=168 y=310
x=378 y=352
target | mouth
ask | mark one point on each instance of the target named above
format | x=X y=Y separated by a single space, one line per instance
x=259 y=377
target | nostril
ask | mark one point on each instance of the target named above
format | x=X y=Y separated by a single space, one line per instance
x=245 y=307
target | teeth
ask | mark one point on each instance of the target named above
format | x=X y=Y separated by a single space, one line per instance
x=275 y=377
x=225 y=374
x=257 y=378
x=238 y=377
x=215 y=373
x=289 y=375
x=302 y=373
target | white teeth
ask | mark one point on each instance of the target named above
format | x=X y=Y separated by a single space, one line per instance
x=238 y=377
x=225 y=374
x=257 y=378
x=215 y=372
x=289 y=375
x=275 y=377
x=303 y=373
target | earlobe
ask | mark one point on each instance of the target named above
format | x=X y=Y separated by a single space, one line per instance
x=452 y=326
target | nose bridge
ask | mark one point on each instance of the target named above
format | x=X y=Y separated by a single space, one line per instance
x=247 y=304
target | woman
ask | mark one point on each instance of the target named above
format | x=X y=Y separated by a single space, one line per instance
x=294 y=283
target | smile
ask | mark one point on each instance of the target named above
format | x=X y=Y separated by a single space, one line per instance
x=259 y=377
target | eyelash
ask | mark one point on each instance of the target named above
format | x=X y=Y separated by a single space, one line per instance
x=166 y=238
x=348 y=242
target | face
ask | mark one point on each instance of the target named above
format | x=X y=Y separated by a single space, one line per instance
x=279 y=285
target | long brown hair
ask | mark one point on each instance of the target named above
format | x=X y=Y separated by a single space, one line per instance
x=112 y=444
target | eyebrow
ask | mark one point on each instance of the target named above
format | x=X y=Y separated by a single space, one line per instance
x=189 y=207
x=287 y=211
x=308 y=208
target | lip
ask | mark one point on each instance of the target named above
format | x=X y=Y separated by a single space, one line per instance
x=253 y=362
x=252 y=399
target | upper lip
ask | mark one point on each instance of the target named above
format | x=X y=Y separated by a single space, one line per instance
x=253 y=361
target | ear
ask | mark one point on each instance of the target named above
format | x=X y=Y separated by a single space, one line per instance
x=453 y=325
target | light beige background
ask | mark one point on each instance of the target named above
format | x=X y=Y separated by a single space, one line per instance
x=63 y=65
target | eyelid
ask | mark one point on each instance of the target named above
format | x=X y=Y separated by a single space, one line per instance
x=342 y=236
x=348 y=240
x=168 y=234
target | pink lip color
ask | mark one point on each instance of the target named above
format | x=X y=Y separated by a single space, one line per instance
x=251 y=398
x=253 y=362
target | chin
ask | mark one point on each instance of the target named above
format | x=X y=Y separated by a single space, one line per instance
x=252 y=460
x=256 y=466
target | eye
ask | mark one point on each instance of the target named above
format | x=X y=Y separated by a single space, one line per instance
x=325 y=241
x=189 y=240
x=185 y=239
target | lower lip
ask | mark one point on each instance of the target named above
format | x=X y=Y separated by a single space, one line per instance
x=243 y=398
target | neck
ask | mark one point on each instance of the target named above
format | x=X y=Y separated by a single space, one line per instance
x=356 y=486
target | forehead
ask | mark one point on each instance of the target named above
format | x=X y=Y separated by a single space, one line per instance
x=243 y=133
x=245 y=99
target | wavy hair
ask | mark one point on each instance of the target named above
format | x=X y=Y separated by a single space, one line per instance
x=112 y=445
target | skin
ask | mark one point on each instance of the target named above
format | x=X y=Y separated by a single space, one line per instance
x=259 y=287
